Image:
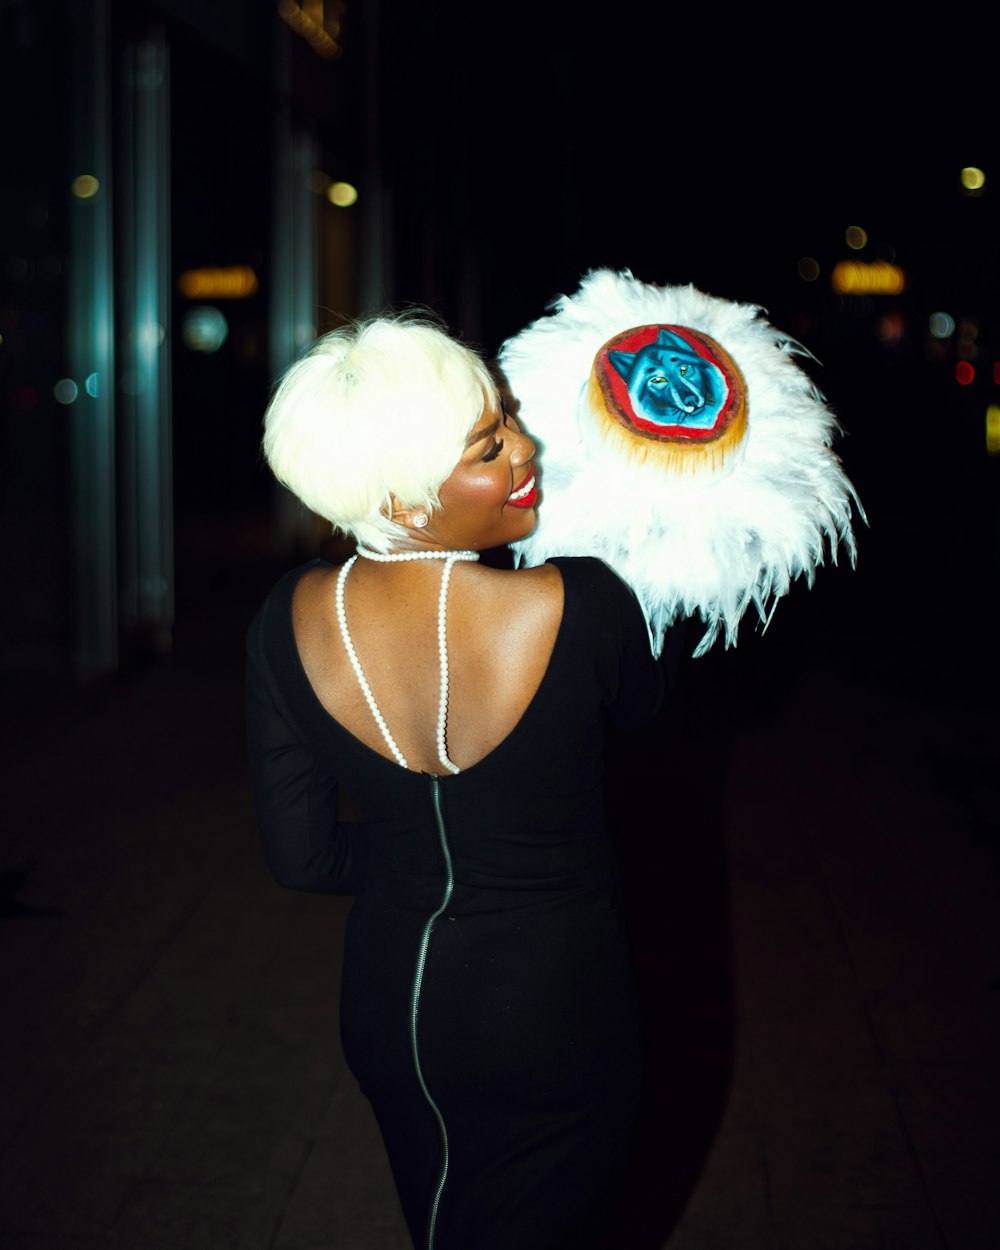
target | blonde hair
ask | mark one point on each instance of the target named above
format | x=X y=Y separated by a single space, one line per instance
x=377 y=409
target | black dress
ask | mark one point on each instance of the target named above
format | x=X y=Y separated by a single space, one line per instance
x=488 y=1008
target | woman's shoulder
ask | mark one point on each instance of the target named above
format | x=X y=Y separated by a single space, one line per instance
x=597 y=594
x=590 y=578
x=529 y=598
x=271 y=627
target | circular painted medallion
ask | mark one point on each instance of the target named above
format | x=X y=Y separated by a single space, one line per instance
x=669 y=393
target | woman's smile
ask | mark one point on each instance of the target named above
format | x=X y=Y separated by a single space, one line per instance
x=526 y=495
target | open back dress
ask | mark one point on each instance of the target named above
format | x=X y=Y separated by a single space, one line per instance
x=488 y=1009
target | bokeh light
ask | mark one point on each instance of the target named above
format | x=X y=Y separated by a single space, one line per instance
x=204 y=329
x=993 y=430
x=855 y=237
x=65 y=391
x=92 y=385
x=226 y=282
x=972 y=178
x=150 y=335
x=319 y=28
x=857 y=277
x=941 y=325
x=964 y=373
x=85 y=186
x=808 y=269
x=343 y=194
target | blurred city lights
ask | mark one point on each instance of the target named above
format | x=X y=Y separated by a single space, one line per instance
x=204 y=329
x=941 y=325
x=65 y=391
x=808 y=269
x=996 y=372
x=90 y=385
x=150 y=335
x=964 y=373
x=856 y=277
x=972 y=179
x=891 y=328
x=342 y=194
x=968 y=332
x=855 y=237
x=317 y=22
x=232 y=282
x=993 y=430
x=968 y=328
x=85 y=186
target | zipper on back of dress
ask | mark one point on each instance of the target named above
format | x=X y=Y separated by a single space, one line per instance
x=418 y=978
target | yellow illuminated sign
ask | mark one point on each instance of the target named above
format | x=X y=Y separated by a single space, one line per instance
x=232 y=282
x=858 y=277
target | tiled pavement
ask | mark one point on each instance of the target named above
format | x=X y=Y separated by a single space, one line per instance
x=815 y=904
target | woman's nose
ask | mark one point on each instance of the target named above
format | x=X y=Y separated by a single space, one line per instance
x=524 y=450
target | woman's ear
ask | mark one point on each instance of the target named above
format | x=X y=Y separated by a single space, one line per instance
x=409 y=518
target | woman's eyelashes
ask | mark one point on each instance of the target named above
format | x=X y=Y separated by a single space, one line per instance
x=494 y=451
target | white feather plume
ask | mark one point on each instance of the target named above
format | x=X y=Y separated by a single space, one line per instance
x=706 y=548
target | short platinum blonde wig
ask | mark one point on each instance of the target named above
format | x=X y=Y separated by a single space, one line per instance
x=375 y=409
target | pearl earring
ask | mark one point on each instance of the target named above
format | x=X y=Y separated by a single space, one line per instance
x=420 y=520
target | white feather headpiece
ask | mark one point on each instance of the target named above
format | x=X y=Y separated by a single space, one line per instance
x=687 y=543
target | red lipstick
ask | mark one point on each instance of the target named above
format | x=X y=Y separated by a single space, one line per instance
x=530 y=499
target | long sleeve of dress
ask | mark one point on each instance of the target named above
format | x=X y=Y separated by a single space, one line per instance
x=295 y=793
x=634 y=682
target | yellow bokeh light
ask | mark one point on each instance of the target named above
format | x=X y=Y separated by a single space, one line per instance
x=233 y=282
x=85 y=186
x=309 y=19
x=343 y=194
x=856 y=277
x=855 y=237
x=973 y=179
x=993 y=430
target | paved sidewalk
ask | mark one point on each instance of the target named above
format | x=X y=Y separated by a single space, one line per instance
x=815 y=905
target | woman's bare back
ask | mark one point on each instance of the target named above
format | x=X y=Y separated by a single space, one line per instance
x=502 y=627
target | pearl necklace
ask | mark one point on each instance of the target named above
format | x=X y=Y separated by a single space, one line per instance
x=450 y=558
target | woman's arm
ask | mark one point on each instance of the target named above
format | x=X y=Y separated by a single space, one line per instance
x=295 y=794
x=641 y=679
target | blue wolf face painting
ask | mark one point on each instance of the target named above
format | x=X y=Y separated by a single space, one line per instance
x=669 y=383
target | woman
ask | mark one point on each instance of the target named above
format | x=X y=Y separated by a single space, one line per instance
x=487 y=1002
